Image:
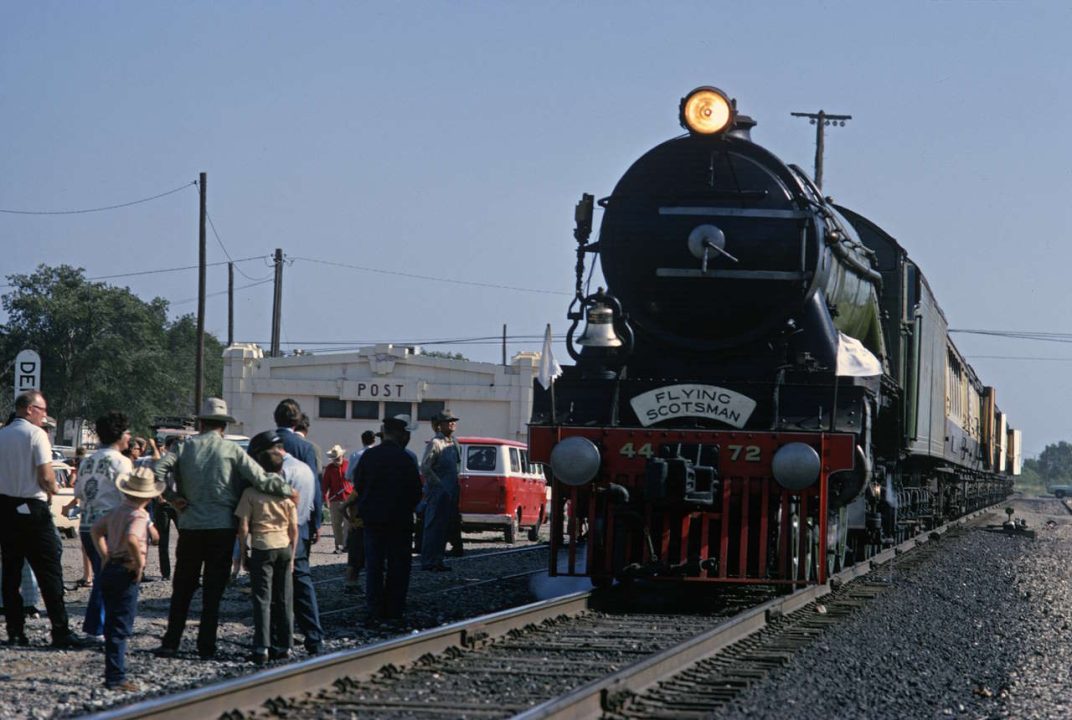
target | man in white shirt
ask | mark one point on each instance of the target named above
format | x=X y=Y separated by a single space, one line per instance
x=27 y=533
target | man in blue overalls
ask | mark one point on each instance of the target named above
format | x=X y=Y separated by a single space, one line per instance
x=440 y=469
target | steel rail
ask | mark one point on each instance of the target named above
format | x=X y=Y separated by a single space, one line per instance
x=594 y=698
x=454 y=560
x=251 y=691
x=444 y=591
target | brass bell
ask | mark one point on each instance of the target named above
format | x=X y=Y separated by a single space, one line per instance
x=599 y=332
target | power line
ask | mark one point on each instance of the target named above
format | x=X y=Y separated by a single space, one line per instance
x=1018 y=334
x=222 y=292
x=220 y=241
x=1019 y=357
x=97 y=209
x=167 y=270
x=138 y=273
x=428 y=277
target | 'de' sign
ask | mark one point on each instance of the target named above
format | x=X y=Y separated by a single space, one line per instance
x=27 y=371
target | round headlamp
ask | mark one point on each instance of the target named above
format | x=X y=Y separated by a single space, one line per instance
x=796 y=466
x=575 y=461
x=706 y=111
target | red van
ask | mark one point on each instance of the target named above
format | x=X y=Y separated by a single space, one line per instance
x=501 y=488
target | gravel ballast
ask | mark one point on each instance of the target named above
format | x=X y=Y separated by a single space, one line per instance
x=39 y=682
x=980 y=631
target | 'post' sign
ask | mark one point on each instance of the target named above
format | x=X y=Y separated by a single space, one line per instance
x=27 y=371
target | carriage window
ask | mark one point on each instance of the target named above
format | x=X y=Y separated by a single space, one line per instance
x=480 y=457
x=515 y=460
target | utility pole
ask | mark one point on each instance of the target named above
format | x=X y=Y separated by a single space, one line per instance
x=230 y=304
x=277 y=303
x=504 y=345
x=199 y=365
x=820 y=120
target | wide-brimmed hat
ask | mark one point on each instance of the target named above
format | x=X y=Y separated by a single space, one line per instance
x=444 y=416
x=336 y=452
x=399 y=422
x=140 y=483
x=215 y=409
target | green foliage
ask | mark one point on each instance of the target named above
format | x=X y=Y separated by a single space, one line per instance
x=1054 y=463
x=103 y=348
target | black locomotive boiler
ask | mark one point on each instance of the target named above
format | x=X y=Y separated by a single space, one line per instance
x=766 y=390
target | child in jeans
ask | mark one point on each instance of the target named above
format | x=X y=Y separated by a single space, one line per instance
x=270 y=525
x=121 y=538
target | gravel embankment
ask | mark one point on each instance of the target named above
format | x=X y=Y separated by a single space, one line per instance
x=39 y=682
x=984 y=630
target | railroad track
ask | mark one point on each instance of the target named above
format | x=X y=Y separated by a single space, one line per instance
x=464 y=560
x=563 y=658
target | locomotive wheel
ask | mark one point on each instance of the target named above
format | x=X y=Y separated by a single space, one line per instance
x=837 y=541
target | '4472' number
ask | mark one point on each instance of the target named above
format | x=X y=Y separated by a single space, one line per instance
x=630 y=452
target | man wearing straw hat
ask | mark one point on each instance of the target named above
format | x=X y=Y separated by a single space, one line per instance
x=336 y=489
x=210 y=474
x=121 y=539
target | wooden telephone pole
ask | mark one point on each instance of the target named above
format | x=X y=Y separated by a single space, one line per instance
x=820 y=120
x=199 y=365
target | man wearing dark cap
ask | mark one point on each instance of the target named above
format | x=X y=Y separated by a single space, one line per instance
x=440 y=468
x=210 y=474
x=387 y=488
x=272 y=526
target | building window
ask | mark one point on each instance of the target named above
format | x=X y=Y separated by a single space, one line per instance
x=390 y=409
x=332 y=408
x=429 y=408
x=365 y=410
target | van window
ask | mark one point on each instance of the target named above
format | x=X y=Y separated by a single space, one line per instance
x=515 y=460
x=525 y=466
x=480 y=457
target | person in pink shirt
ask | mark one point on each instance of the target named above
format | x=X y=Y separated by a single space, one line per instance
x=122 y=537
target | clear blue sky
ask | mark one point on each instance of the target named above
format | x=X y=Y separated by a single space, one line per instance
x=451 y=140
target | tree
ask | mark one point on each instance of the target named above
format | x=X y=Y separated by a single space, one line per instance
x=102 y=347
x=1055 y=462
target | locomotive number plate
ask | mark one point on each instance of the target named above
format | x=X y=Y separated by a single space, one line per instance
x=709 y=401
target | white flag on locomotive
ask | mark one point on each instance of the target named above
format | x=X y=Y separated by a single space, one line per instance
x=549 y=367
x=854 y=360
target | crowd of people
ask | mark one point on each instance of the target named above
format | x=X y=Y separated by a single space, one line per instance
x=258 y=509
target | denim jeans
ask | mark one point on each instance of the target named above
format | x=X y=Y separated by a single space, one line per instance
x=120 y=595
x=306 y=609
x=94 y=622
x=272 y=588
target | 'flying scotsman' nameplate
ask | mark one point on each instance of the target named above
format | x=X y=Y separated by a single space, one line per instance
x=709 y=401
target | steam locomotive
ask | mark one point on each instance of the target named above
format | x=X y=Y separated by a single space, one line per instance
x=766 y=391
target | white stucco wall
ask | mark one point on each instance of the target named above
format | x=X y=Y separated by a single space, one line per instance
x=491 y=400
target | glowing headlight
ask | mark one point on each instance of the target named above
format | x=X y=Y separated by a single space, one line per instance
x=706 y=111
x=796 y=466
x=575 y=461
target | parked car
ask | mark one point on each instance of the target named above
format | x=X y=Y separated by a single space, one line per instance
x=500 y=488
x=1061 y=490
